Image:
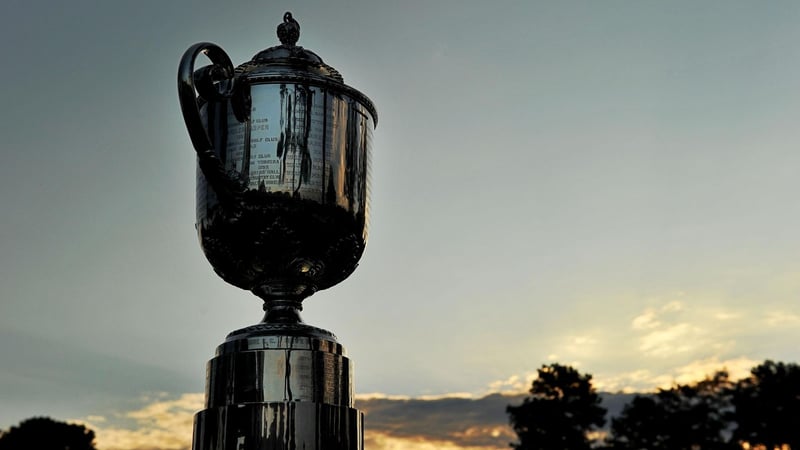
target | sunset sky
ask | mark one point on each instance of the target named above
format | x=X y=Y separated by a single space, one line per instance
x=608 y=184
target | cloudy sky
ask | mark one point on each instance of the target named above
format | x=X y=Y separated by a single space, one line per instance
x=609 y=184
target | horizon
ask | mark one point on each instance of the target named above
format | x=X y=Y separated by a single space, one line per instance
x=458 y=421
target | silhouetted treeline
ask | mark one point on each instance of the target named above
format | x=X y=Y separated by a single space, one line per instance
x=565 y=413
x=43 y=433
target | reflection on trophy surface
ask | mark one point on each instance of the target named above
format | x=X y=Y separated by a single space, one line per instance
x=283 y=150
x=300 y=223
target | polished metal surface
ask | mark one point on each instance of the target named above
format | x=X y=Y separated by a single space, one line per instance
x=283 y=159
x=284 y=148
x=279 y=426
x=278 y=392
x=279 y=368
x=302 y=159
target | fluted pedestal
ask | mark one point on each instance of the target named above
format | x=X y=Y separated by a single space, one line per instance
x=279 y=387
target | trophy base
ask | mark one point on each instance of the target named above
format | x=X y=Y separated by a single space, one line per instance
x=279 y=426
x=279 y=386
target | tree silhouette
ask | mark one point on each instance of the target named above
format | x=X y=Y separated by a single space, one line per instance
x=690 y=417
x=637 y=426
x=768 y=406
x=42 y=433
x=562 y=409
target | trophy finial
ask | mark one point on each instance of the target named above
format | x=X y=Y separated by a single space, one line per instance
x=289 y=30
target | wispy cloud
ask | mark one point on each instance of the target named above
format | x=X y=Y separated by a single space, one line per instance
x=781 y=319
x=515 y=384
x=671 y=340
x=645 y=380
x=383 y=441
x=665 y=331
x=447 y=422
x=161 y=424
x=737 y=368
x=681 y=337
x=645 y=321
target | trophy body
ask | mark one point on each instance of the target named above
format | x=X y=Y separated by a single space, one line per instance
x=283 y=151
x=300 y=223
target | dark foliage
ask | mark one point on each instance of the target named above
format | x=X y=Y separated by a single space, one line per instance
x=562 y=409
x=768 y=406
x=762 y=411
x=690 y=417
x=42 y=433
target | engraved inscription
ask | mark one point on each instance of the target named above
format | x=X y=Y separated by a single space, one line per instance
x=287 y=136
x=300 y=224
x=331 y=377
x=303 y=375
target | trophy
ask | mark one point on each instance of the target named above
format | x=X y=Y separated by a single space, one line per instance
x=283 y=154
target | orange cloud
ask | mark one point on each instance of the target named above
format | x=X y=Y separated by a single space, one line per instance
x=162 y=424
x=456 y=422
x=441 y=422
x=644 y=380
x=383 y=441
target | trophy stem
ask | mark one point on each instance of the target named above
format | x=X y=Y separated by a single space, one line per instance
x=282 y=311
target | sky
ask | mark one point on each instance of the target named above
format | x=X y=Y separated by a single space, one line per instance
x=611 y=185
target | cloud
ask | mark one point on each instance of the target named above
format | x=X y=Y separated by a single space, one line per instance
x=392 y=422
x=641 y=380
x=727 y=315
x=644 y=380
x=674 y=305
x=670 y=340
x=447 y=422
x=581 y=345
x=646 y=320
x=629 y=340
x=162 y=424
x=737 y=368
x=680 y=333
x=649 y=319
x=515 y=384
x=781 y=319
x=679 y=337
x=382 y=441
x=381 y=396
x=664 y=332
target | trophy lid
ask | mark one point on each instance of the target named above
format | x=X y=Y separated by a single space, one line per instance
x=293 y=63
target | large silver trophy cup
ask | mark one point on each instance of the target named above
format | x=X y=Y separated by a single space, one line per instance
x=283 y=154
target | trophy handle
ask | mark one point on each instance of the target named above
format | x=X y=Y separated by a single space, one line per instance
x=213 y=82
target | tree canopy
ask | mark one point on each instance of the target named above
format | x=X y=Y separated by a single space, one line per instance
x=762 y=411
x=43 y=433
x=560 y=413
x=685 y=417
x=767 y=406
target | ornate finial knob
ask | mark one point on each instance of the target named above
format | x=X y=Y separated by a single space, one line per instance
x=289 y=30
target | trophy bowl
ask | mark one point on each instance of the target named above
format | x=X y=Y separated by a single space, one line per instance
x=283 y=167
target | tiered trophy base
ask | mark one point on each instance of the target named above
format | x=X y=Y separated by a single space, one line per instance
x=279 y=386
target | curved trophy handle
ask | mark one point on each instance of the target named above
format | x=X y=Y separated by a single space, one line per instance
x=213 y=82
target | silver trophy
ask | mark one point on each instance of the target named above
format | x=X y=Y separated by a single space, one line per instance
x=283 y=154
